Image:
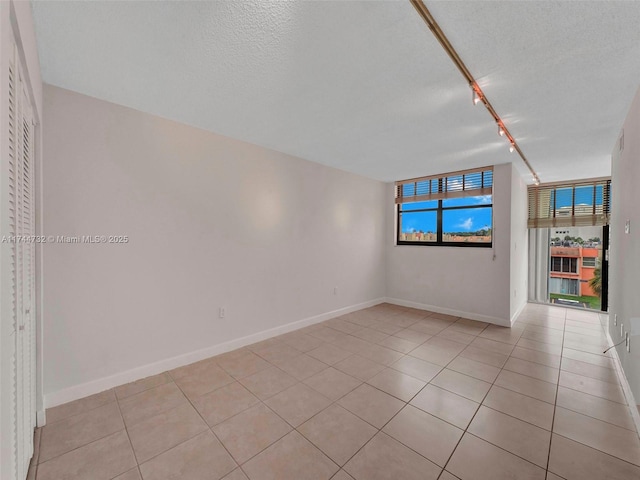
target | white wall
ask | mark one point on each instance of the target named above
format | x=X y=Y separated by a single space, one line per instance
x=471 y=282
x=212 y=222
x=519 y=262
x=15 y=23
x=624 y=267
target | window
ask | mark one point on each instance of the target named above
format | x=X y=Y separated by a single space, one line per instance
x=575 y=204
x=451 y=210
x=589 y=261
x=564 y=265
x=564 y=286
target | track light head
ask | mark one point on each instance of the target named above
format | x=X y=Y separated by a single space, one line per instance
x=476 y=93
x=500 y=130
x=512 y=147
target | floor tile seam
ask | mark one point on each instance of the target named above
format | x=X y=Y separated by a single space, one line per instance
x=86 y=444
x=378 y=430
x=600 y=420
x=597 y=450
x=604 y=398
x=133 y=450
x=115 y=399
x=233 y=380
x=601 y=366
x=292 y=428
x=596 y=418
x=102 y=436
x=535 y=378
x=145 y=389
x=555 y=403
x=391 y=394
x=466 y=429
x=511 y=453
x=617 y=383
x=208 y=427
x=517 y=418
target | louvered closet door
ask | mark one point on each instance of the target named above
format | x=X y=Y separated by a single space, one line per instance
x=22 y=227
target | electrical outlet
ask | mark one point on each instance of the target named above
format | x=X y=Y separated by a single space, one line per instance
x=627 y=226
x=222 y=312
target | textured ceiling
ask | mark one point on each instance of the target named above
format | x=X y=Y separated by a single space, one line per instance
x=363 y=86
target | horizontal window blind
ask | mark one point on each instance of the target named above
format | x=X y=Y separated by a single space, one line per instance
x=570 y=204
x=474 y=182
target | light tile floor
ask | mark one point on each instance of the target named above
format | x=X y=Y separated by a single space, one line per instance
x=383 y=393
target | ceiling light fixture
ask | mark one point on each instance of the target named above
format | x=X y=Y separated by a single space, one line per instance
x=475 y=94
x=478 y=94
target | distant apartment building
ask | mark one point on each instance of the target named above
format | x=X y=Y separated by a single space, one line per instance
x=572 y=268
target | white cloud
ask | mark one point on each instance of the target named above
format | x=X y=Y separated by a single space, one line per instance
x=483 y=199
x=466 y=224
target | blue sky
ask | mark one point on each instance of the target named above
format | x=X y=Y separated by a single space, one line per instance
x=584 y=196
x=463 y=220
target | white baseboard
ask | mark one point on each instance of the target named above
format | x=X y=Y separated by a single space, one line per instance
x=96 y=386
x=504 y=322
x=515 y=316
x=631 y=401
x=41 y=418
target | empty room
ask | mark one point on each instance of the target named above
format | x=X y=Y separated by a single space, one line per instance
x=314 y=240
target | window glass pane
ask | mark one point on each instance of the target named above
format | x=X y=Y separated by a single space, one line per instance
x=569 y=265
x=556 y=264
x=584 y=200
x=419 y=205
x=467 y=201
x=418 y=226
x=589 y=262
x=467 y=225
x=564 y=201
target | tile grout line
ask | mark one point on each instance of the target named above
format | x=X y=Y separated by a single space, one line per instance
x=208 y=428
x=379 y=430
x=480 y=404
x=85 y=444
x=135 y=457
x=261 y=401
x=555 y=404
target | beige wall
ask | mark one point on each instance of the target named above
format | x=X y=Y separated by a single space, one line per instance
x=212 y=222
x=624 y=275
x=470 y=282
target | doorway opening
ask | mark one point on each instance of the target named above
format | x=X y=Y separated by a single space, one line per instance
x=577 y=266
